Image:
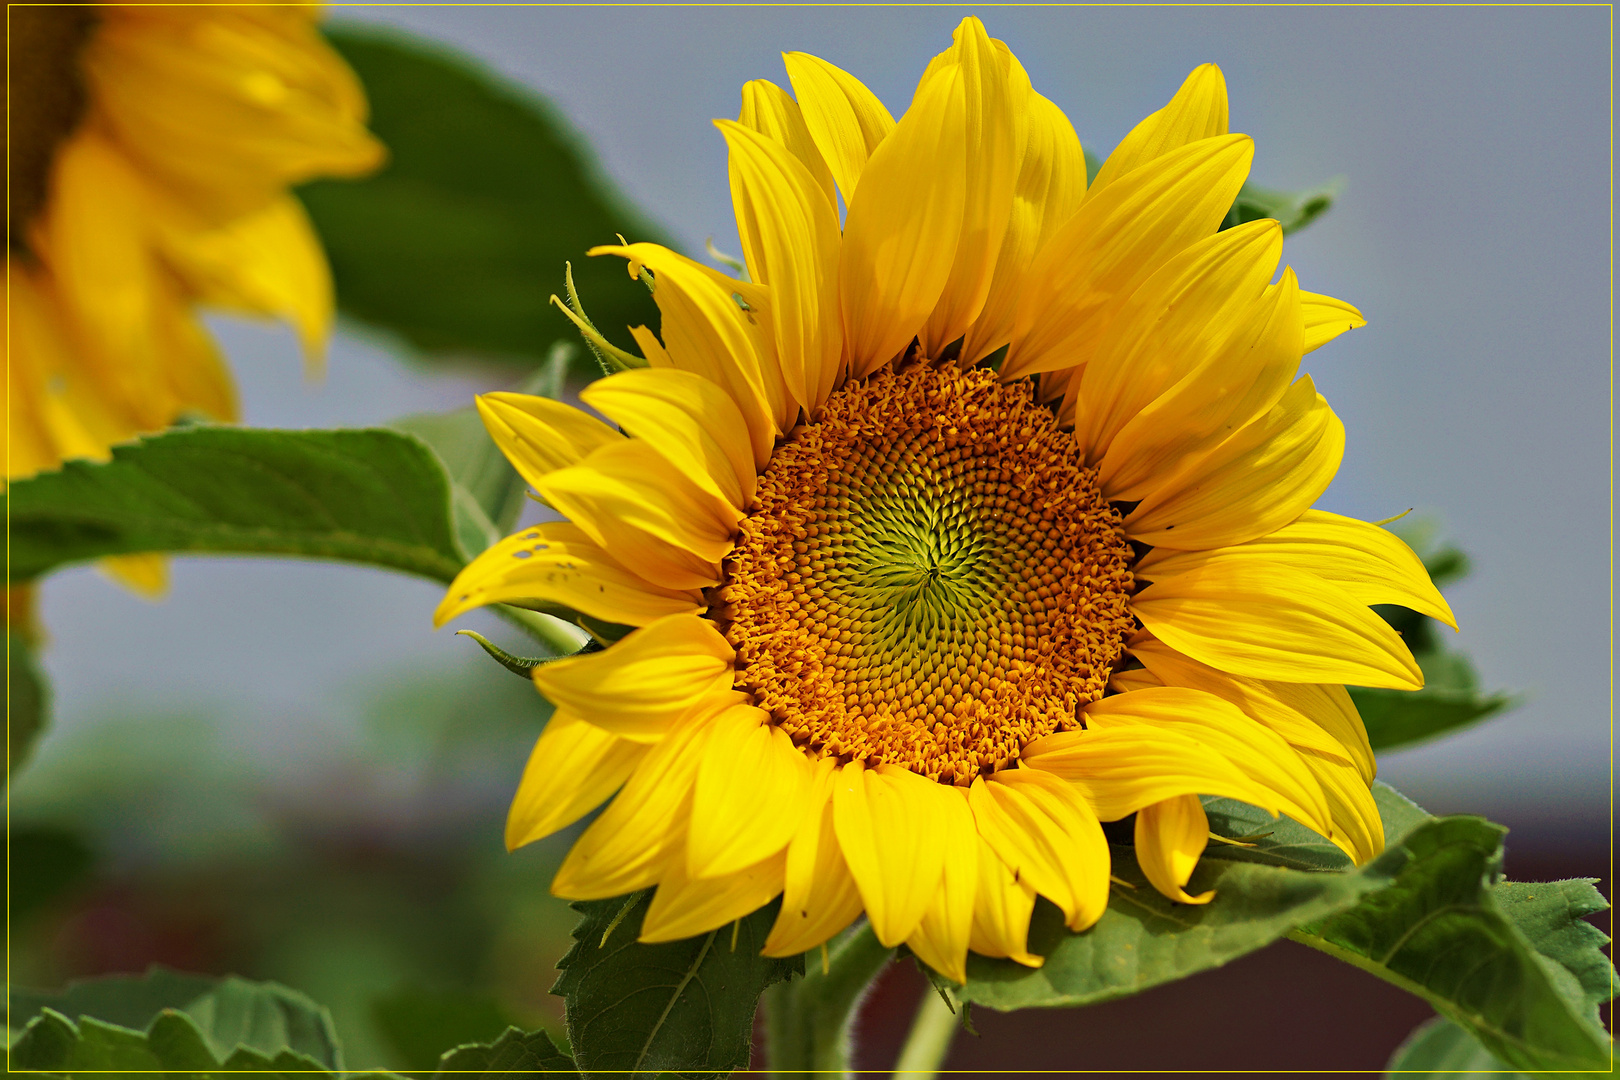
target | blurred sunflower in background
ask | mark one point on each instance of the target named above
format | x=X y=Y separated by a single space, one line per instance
x=151 y=150
x=965 y=524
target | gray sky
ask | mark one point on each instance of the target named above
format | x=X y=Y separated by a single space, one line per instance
x=1473 y=233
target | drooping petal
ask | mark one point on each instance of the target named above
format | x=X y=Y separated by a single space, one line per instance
x=901 y=232
x=1260 y=479
x=790 y=237
x=1170 y=836
x=693 y=423
x=1325 y=318
x=631 y=845
x=845 y=119
x=539 y=435
x=1049 y=835
x=632 y=502
x=1370 y=563
x=556 y=563
x=1272 y=621
x=574 y=768
x=1197 y=111
x=751 y=793
x=1001 y=911
x=1357 y=828
x=1240 y=380
x=686 y=906
x=1180 y=319
x=819 y=896
x=771 y=111
x=1115 y=242
x=885 y=821
x=941 y=939
x=996 y=89
x=642 y=684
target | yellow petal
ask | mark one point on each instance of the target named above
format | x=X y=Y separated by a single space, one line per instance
x=1319 y=717
x=1260 y=479
x=707 y=331
x=1367 y=561
x=146 y=575
x=996 y=90
x=1255 y=750
x=789 y=231
x=1197 y=111
x=1001 y=911
x=1170 y=836
x=1269 y=620
x=642 y=684
x=1178 y=320
x=819 y=896
x=941 y=939
x=1241 y=379
x=1049 y=835
x=632 y=502
x=1115 y=242
x=1357 y=828
x=574 y=768
x=1325 y=318
x=845 y=119
x=556 y=563
x=771 y=111
x=192 y=367
x=1051 y=183
x=686 y=418
x=539 y=435
x=651 y=348
x=685 y=906
x=631 y=845
x=885 y=821
x=751 y=794
x=900 y=234
x=1124 y=768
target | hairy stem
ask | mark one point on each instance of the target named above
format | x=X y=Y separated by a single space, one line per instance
x=808 y=1020
x=929 y=1040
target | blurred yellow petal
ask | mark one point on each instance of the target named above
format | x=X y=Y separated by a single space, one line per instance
x=887 y=828
x=642 y=684
x=771 y=111
x=539 y=435
x=819 y=896
x=1170 y=836
x=751 y=793
x=556 y=563
x=574 y=768
x=146 y=575
x=1197 y=111
x=1264 y=476
x=1050 y=837
x=1325 y=318
x=901 y=233
x=845 y=119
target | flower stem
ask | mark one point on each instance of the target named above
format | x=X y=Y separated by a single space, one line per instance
x=808 y=1020
x=930 y=1038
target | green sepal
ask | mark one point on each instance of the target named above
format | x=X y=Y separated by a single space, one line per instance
x=609 y=357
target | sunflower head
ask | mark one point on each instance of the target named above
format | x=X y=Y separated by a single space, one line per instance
x=976 y=516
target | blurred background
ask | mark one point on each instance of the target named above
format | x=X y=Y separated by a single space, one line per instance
x=282 y=771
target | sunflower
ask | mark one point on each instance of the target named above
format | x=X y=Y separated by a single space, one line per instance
x=961 y=527
x=150 y=153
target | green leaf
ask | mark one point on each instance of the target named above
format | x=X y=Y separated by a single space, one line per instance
x=28 y=700
x=684 y=1006
x=419 y=1023
x=1441 y=1048
x=514 y=1054
x=46 y=861
x=1552 y=917
x=369 y=496
x=457 y=243
x=168 y=1021
x=1261 y=892
x=1293 y=209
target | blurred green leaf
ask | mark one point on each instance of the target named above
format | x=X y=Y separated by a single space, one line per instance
x=420 y=1024
x=458 y=242
x=168 y=1021
x=1441 y=1048
x=45 y=863
x=28 y=699
x=369 y=496
x=684 y=1006
x=1143 y=939
x=514 y=1054
x=1294 y=210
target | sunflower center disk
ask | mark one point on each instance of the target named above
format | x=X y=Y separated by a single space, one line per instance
x=932 y=578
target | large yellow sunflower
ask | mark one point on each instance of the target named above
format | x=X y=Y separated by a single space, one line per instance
x=150 y=152
x=959 y=529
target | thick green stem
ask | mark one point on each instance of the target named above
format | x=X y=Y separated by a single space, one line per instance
x=930 y=1039
x=808 y=1020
